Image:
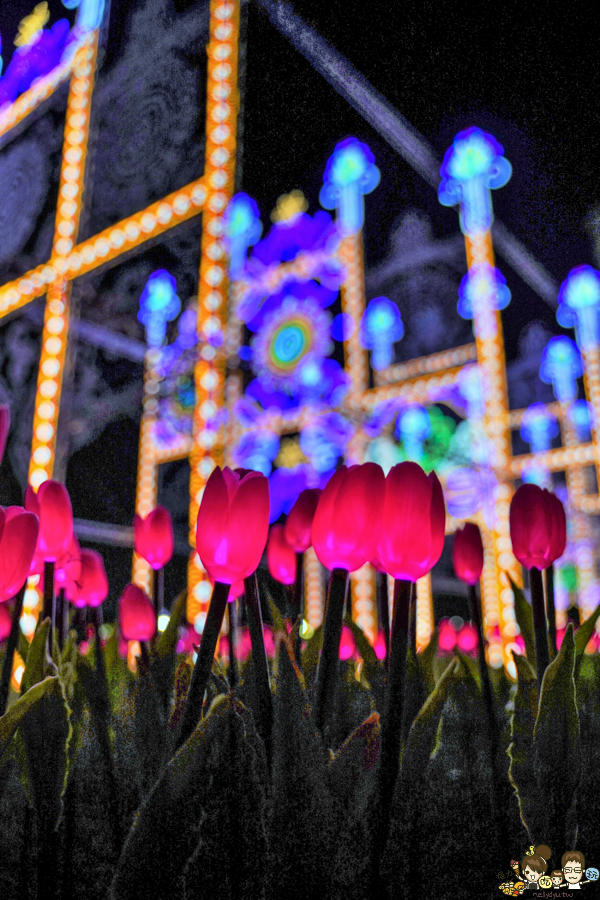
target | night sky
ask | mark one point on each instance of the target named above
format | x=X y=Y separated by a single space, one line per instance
x=526 y=72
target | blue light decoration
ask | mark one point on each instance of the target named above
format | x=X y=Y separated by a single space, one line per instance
x=284 y=486
x=413 y=427
x=33 y=59
x=469 y=491
x=482 y=282
x=381 y=326
x=578 y=301
x=90 y=13
x=382 y=414
x=580 y=415
x=342 y=327
x=324 y=440
x=538 y=428
x=561 y=367
x=256 y=450
x=472 y=166
x=159 y=304
x=242 y=229
x=349 y=174
x=255 y=308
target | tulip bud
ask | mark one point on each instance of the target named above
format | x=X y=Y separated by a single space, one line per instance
x=347 y=520
x=281 y=558
x=298 y=527
x=233 y=524
x=347 y=644
x=137 y=618
x=53 y=507
x=154 y=537
x=380 y=646
x=467 y=554
x=20 y=530
x=413 y=522
x=467 y=639
x=67 y=568
x=93 y=583
x=538 y=528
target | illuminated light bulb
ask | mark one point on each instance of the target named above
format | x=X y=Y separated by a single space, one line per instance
x=580 y=415
x=482 y=286
x=561 y=366
x=413 y=427
x=306 y=630
x=242 y=229
x=163 y=620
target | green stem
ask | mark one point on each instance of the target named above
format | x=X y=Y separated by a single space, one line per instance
x=192 y=710
x=11 y=646
x=232 y=616
x=539 y=623
x=49 y=600
x=62 y=617
x=383 y=609
x=259 y=661
x=298 y=603
x=326 y=683
x=550 y=608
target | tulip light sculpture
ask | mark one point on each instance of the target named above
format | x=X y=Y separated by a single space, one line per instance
x=539 y=535
x=345 y=531
x=411 y=540
x=231 y=533
x=154 y=543
x=298 y=534
x=18 y=538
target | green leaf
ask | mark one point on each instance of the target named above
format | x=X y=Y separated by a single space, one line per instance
x=302 y=808
x=557 y=745
x=415 y=693
x=168 y=640
x=35 y=668
x=362 y=644
x=356 y=757
x=582 y=637
x=46 y=732
x=422 y=735
x=312 y=654
x=520 y=751
x=426 y=659
x=11 y=719
x=210 y=768
x=524 y=616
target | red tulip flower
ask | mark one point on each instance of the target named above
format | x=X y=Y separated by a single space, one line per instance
x=154 y=537
x=93 y=583
x=467 y=554
x=4 y=428
x=413 y=522
x=379 y=646
x=233 y=524
x=298 y=526
x=447 y=637
x=18 y=537
x=5 y=621
x=281 y=558
x=67 y=569
x=538 y=528
x=53 y=507
x=347 y=520
x=347 y=643
x=137 y=618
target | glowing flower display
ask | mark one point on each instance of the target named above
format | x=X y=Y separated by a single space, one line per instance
x=578 y=301
x=254 y=311
x=413 y=522
x=470 y=490
x=347 y=521
x=483 y=284
x=281 y=558
x=242 y=229
x=285 y=485
x=467 y=553
x=537 y=527
x=288 y=335
x=256 y=450
x=381 y=326
x=350 y=173
x=229 y=549
x=39 y=51
x=92 y=587
x=473 y=165
x=293 y=234
x=324 y=440
x=159 y=304
x=137 y=619
x=154 y=537
x=561 y=367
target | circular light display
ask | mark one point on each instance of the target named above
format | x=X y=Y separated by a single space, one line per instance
x=291 y=332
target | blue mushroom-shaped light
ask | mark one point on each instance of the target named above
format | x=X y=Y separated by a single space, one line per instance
x=159 y=304
x=349 y=174
x=561 y=367
x=483 y=284
x=380 y=327
x=413 y=427
x=242 y=229
x=473 y=165
x=578 y=302
x=580 y=415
